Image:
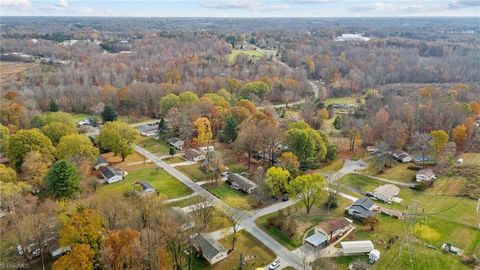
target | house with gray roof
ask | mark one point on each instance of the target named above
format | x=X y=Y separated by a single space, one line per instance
x=145 y=188
x=176 y=142
x=386 y=193
x=240 y=182
x=425 y=175
x=186 y=220
x=148 y=129
x=210 y=248
x=111 y=174
x=100 y=162
x=362 y=208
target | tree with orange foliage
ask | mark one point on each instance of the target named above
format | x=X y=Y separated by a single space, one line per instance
x=122 y=249
x=475 y=108
x=459 y=135
x=80 y=258
x=204 y=131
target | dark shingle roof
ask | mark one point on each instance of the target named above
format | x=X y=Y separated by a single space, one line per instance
x=364 y=203
x=208 y=246
x=333 y=225
x=242 y=181
x=100 y=160
x=109 y=171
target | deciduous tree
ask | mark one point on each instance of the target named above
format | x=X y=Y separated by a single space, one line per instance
x=121 y=249
x=118 y=137
x=308 y=188
x=77 y=148
x=204 y=131
x=80 y=258
x=34 y=168
x=24 y=141
x=56 y=130
x=7 y=174
x=276 y=178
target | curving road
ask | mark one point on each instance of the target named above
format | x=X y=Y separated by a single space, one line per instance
x=247 y=222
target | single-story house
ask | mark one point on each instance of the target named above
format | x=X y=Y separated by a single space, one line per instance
x=146 y=188
x=334 y=229
x=176 y=142
x=194 y=155
x=186 y=220
x=148 y=130
x=386 y=193
x=207 y=149
x=241 y=182
x=210 y=248
x=362 y=208
x=372 y=149
x=111 y=174
x=100 y=162
x=356 y=247
x=402 y=156
x=425 y=175
x=316 y=240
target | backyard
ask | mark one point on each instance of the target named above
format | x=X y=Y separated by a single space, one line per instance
x=224 y=191
x=193 y=171
x=153 y=145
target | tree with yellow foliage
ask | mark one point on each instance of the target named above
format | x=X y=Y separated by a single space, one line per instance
x=80 y=258
x=204 y=130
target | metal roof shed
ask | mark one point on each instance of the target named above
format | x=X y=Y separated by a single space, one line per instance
x=356 y=247
x=316 y=239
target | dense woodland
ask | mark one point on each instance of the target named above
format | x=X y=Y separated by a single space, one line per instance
x=414 y=88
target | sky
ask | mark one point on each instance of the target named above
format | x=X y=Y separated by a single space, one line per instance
x=241 y=8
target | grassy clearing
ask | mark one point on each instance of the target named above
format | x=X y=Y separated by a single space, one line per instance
x=81 y=116
x=132 y=162
x=174 y=159
x=224 y=191
x=255 y=253
x=185 y=202
x=471 y=159
x=164 y=183
x=154 y=145
x=218 y=221
x=331 y=167
x=342 y=100
x=194 y=171
x=399 y=172
x=304 y=221
x=253 y=54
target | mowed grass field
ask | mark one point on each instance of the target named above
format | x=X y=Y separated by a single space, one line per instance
x=341 y=100
x=254 y=252
x=224 y=191
x=253 y=54
x=194 y=172
x=442 y=217
x=153 y=145
x=166 y=185
x=398 y=172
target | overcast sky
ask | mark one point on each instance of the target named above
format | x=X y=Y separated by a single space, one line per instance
x=241 y=8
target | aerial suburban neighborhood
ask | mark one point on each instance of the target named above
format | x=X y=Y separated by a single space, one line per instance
x=136 y=140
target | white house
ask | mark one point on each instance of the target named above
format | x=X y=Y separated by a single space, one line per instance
x=176 y=142
x=386 y=193
x=425 y=175
x=207 y=149
x=402 y=156
x=356 y=247
x=333 y=229
x=210 y=248
x=240 y=182
x=194 y=155
x=111 y=174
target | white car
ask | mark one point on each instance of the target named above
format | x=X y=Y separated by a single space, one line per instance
x=274 y=265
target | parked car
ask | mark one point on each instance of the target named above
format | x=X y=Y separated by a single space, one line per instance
x=274 y=265
x=284 y=199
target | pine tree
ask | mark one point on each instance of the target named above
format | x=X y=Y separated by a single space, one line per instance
x=162 y=127
x=229 y=129
x=109 y=113
x=53 y=105
x=337 y=123
x=63 y=180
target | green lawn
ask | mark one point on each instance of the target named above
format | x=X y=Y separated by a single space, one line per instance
x=164 y=183
x=331 y=167
x=224 y=191
x=153 y=145
x=185 y=202
x=342 y=100
x=254 y=55
x=194 y=172
x=398 y=172
x=254 y=252
x=174 y=159
x=304 y=221
x=81 y=116
x=471 y=159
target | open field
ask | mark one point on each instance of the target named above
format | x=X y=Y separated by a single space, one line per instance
x=304 y=221
x=257 y=254
x=10 y=69
x=153 y=145
x=194 y=172
x=174 y=159
x=224 y=191
x=254 y=55
x=81 y=116
x=342 y=100
x=134 y=161
x=471 y=159
x=166 y=185
x=398 y=172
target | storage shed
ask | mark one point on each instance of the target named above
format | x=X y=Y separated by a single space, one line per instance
x=356 y=247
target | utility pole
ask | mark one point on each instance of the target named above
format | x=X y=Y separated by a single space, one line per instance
x=409 y=239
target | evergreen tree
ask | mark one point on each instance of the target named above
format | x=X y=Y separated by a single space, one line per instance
x=53 y=105
x=172 y=151
x=162 y=127
x=331 y=152
x=230 y=129
x=337 y=123
x=109 y=113
x=63 y=180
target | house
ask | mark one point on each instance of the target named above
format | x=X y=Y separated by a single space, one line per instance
x=100 y=162
x=421 y=159
x=194 y=155
x=402 y=156
x=362 y=208
x=356 y=247
x=210 y=248
x=372 y=149
x=334 y=229
x=425 y=175
x=186 y=221
x=207 y=149
x=238 y=181
x=145 y=188
x=175 y=142
x=111 y=174
x=386 y=193
x=148 y=130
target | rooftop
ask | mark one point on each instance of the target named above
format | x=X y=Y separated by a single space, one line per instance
x=333 y=225
x=387 y=190
x=208 y=245
x=427 y=172
x=109 y=171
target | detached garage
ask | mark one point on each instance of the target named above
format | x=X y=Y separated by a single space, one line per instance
x=356 y=247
